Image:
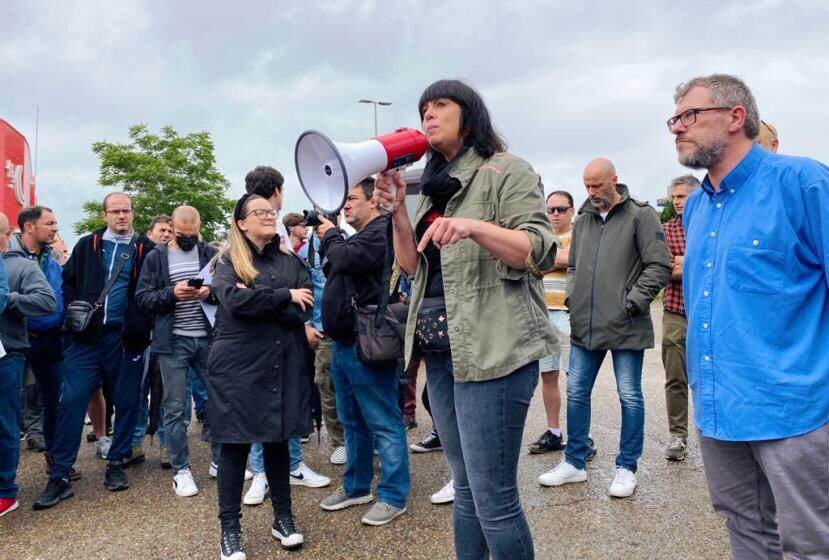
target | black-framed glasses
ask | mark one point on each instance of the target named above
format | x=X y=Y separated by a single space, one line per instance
x=262 y=214
x=120 y=211
x=558 y=209
x=689 y=116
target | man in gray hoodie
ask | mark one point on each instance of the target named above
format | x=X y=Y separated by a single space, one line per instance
x=29 y=294
x=617 y=265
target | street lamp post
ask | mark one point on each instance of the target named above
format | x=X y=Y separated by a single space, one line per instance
x=375 y=103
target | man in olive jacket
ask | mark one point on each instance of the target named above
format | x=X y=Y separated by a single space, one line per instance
x=617 y=265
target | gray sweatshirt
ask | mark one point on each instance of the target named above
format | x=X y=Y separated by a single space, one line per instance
x=29 y=295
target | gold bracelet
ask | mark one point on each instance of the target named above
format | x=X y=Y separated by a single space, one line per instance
x=531 y=266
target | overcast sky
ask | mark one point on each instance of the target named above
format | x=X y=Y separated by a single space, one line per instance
x=564 y=81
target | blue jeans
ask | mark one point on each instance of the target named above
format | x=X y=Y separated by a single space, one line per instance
x=581 y=376
x=198 y=390
x=367 y=408
x=143 y=421
x=11 y=381
x=256 y=457
x=480 y=424
x=188 y=353
x=84 y=367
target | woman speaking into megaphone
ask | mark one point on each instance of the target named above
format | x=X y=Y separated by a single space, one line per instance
x=476 y=246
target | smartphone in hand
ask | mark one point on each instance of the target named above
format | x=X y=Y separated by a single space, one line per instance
x=195 y=282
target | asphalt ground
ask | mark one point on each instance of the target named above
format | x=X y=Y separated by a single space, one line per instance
x=669 y=516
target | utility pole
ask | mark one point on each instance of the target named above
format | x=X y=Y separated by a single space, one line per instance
x=375 y=103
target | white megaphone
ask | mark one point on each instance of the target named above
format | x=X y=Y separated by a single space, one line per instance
x=327 y=169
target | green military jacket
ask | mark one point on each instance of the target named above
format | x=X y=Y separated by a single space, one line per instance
x=497 y=315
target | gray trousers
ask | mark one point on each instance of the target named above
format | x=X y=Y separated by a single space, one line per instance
x=774 y=495
x=188 y=352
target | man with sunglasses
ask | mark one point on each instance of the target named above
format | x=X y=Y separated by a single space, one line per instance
x=756 y=287
x=768 y=138
x=111 y=347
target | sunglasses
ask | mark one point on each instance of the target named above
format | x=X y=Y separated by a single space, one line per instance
x=558 y=209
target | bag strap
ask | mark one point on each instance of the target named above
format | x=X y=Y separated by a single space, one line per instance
x=115 y=273
x=380 y=318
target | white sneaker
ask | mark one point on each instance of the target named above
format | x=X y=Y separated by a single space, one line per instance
x=184 y=485
x=102 y=446
x=563 y=473
x=304 y=476
x=257 y=491
x=213 y=471
x=339 y=456
x=445 y=495
x=248 y=474
x=624 y=483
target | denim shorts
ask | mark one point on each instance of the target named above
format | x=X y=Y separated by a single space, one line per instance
x=560 y=320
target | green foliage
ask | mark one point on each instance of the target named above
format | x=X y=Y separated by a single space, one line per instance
x=161 y=172
x=668 y=212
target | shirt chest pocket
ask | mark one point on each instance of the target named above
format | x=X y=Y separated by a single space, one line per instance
x=756 y=265
x=484 y=211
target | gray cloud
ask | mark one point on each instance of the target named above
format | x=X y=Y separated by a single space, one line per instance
x=564 y=81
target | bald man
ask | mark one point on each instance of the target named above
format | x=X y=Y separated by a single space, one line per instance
x=767 y=138
x=169 y=291
x=618 y=263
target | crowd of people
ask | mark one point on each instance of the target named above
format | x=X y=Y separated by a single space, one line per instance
x=261 y=330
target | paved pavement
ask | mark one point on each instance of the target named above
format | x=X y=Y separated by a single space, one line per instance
x=668 y=517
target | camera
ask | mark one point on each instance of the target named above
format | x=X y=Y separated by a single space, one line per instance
x=311 y=218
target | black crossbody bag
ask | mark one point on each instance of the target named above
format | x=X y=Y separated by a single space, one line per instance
x=80 y=314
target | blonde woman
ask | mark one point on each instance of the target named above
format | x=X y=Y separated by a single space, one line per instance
x=256 y=382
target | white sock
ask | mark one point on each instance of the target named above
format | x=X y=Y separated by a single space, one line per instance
x=555 y=431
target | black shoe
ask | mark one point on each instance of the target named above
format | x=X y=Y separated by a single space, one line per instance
x=232 y=544
x=116 y=477
x=429 y=443
x=591 y=450
x=546 y=443
x=409 y=423
x=91 y=437
x=200 y=416
x=34 y=443
x=284 y=529
x=56 y=490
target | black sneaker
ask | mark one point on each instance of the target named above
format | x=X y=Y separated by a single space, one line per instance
x=232 y=545
x=546 y=443
x=57 y=489
x=429 y=443
x=91 y=437
x=409 y=423
x=34 y=443
x=591 y=450
x=116 y=477
x=284 y=529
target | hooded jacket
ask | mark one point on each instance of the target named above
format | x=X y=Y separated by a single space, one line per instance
x=616 y=267
x=155 y=296
x=83 y=279
x=29 y=295
x=53 y=272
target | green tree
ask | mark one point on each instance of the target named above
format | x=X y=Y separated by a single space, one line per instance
x=668 y=212
x=160 y=172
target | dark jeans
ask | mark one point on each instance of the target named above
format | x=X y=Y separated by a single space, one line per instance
x=234 y=458
x=84 y=367
x=581 y=376
x=11 y=379
x=367 y=408
x=480 y=424
x=45 y=356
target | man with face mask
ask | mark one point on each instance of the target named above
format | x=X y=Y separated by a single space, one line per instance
x=167 y=291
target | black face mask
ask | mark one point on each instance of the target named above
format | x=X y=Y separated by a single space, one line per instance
x=186 y=242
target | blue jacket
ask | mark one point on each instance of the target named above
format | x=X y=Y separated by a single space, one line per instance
x=53 y=272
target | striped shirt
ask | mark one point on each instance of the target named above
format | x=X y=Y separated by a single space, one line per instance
x=188 y=318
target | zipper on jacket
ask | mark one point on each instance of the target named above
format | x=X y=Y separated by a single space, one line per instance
x=593 y=287
x=111 y=263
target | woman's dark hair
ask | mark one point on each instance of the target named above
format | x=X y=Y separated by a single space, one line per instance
x=565 y=194
x=475 y=119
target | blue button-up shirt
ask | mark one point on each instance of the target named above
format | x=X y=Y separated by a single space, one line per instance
x=756 y=284
x=317 y=281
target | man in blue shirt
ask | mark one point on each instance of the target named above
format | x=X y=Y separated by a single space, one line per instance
x=756 y=285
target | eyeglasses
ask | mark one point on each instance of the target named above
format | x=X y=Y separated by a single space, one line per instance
x=689 y=117
x=262 y=214
x=119 y=211
x=558 y=209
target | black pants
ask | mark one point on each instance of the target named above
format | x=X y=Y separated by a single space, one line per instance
x=231 y=478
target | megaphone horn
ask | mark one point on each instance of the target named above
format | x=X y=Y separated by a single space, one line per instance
x=327 y=169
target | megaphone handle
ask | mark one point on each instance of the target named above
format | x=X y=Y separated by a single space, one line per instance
x=389 y=208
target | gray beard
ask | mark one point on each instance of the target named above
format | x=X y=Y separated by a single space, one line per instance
x=603 y=203
x=704 y=158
